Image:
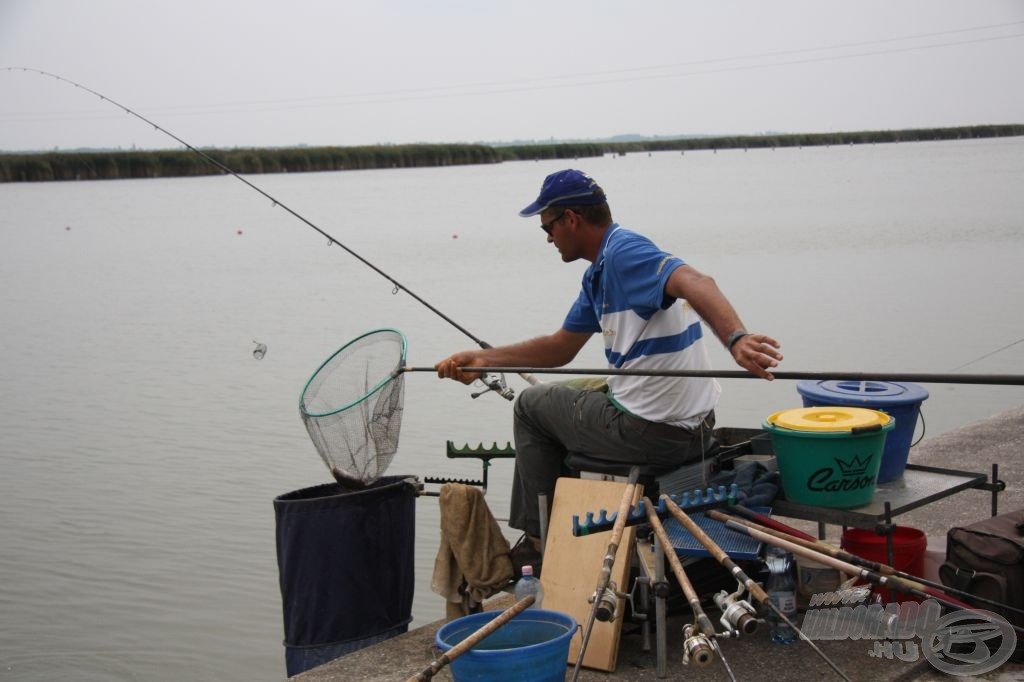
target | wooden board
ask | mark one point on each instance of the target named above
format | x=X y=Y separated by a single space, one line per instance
x=572 y=565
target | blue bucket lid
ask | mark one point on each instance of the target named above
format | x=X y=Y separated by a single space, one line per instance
x=849 y=392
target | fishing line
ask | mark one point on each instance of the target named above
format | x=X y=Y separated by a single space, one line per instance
x=986 y=355
x=331 y=240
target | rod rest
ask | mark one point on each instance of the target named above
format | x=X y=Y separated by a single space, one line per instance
x=480 y=452
x=484 y=454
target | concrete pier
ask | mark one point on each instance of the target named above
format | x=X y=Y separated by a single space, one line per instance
x=997 y=440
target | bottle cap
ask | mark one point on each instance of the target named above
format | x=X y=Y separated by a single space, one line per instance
x=527 y=570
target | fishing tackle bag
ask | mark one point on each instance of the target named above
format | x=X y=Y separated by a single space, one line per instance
x=987 y=559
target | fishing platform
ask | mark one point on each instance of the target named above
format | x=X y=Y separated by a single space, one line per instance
x=996 y=440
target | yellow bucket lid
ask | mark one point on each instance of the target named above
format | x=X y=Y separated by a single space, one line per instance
x=828 y=419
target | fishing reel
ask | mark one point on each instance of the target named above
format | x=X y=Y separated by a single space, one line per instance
x=697 y=648
x=608 y=603
x=496 y=383
x=738 y=616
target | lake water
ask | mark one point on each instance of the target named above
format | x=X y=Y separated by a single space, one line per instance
x=142 y=445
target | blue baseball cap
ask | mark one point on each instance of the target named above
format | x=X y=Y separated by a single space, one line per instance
x=566 y=188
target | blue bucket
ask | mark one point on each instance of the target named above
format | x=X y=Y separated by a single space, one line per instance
x=900 y=400
x=532 y=646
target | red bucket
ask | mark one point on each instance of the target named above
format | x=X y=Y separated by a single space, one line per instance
x=908 y=548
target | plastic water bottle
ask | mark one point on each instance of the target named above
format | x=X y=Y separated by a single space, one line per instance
x=781 y=589
x=529 y=585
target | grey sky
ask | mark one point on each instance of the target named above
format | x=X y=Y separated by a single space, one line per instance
x=262 y=73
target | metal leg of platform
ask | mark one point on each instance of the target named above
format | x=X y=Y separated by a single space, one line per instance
x=644 y=585
x=651 y=557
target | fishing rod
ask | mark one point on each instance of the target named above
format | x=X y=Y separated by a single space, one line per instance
x=780 y=529
x=756 y=591
x=504 y=391
x=896 y=579
x=775 y=527
x=698 y=635
x=769 y=522
x=605 y=601
x=473 y=639
x=924 y=378
x=891 y=582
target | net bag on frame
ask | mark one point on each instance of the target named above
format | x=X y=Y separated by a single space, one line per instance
x=345 y=550
x=346 y=565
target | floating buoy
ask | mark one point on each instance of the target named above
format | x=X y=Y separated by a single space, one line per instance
x=239 y=232
x=67 y=228
x=455 y=235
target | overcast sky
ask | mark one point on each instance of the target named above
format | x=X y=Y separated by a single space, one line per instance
x=262 y=73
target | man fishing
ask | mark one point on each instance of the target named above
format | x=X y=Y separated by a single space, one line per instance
x=648 y=305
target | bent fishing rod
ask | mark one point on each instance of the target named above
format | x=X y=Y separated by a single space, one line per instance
x=756 y=591
x=331 y=240
x=923 y=378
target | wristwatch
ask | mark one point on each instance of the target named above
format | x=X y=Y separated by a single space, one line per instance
x=734 y=337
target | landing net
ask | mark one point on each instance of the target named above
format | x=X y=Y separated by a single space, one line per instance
x=352 y=406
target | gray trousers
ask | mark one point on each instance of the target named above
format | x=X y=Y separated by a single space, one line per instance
x=552 y=420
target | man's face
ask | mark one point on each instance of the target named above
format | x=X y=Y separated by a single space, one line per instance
x=560 y=225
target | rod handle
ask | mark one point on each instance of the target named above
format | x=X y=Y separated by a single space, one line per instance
x=473 y=639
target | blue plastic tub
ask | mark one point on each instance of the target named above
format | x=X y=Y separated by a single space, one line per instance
x=532 y=646
x=901 y=401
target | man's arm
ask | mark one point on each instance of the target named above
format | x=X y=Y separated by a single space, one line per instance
x=553 y=350
x=756 y=353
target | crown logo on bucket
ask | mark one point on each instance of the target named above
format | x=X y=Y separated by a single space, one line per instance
x=853 y=467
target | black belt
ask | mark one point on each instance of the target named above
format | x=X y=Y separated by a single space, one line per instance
x=669 y=432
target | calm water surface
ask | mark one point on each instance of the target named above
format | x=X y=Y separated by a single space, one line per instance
x=142 y=445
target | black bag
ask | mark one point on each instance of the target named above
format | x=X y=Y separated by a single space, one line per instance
x=987 y=559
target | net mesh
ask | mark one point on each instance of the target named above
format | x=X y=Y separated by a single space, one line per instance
x=352 y=406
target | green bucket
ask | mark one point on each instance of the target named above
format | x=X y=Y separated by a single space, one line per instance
x=829 y=456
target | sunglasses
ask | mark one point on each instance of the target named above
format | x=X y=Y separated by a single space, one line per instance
x=551 y=223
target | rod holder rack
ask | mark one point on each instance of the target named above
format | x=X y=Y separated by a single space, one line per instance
x=690 y=501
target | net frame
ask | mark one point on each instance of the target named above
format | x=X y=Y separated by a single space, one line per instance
x=352 y=406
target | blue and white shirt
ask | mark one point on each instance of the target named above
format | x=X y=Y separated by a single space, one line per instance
x=623 y=297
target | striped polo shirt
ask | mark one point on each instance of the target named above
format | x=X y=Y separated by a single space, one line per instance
x=623 y=298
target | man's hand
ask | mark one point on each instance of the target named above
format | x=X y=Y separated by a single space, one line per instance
x=449 y=367
x=757 y=354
